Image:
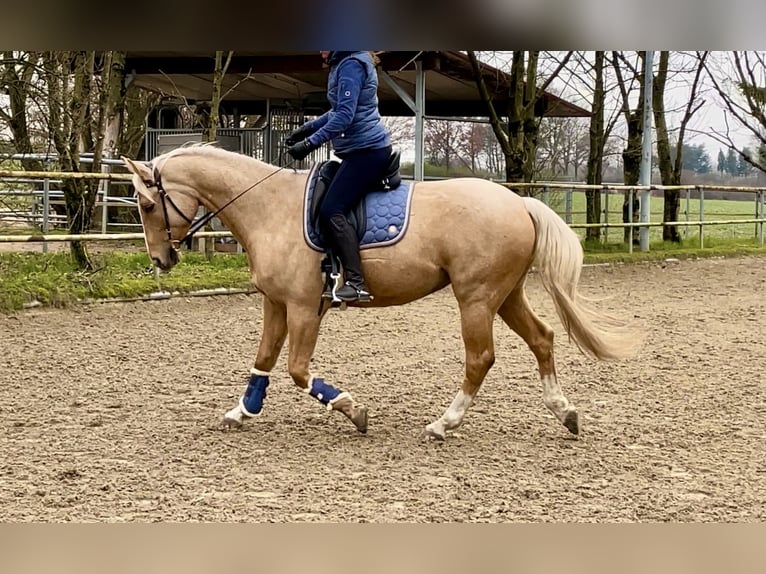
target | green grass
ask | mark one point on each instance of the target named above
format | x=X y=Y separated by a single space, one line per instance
x=714 y=209
x=660 y=250
x=51 y=279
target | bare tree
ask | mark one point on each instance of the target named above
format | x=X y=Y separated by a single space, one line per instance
x=519 y=141
x=634 y=118
x=80 y=100
x=562 y=147
x=17 y=71
x=597 y=136
x=672 y=167
x=739 y=79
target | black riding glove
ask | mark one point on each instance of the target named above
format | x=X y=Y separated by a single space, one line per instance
x=301 y=149
x=297 y=135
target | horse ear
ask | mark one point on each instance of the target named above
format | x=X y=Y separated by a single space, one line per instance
x=144 y=173
x=140 y=168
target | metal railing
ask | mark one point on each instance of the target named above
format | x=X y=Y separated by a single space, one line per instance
x=606 y=190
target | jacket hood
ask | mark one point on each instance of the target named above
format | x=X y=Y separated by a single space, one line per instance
x=336 y=57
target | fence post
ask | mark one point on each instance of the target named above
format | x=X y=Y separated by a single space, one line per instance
x=104 y=185
x=546 y=195
x=631 y=194
x=702 y=214
x=568 y=202
x=688 y=198
x=606 y=214
x=46 y=209
x=761 y=197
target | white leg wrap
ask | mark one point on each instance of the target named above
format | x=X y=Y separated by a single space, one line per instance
x=255 y=371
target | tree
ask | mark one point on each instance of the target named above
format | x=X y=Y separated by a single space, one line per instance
x=671 y=167
x=562 y=147
x=80 y=100
x=517 y=137
x=721 y=165
x=70 y=103
x=732 y=162
x=737 y=78
x=211 y=135
x=17 y=71
x=745 y=168
x=695 y=158
x=597 y=135
x=634 y=118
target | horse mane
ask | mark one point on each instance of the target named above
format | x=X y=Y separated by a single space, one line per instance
x=206 y=149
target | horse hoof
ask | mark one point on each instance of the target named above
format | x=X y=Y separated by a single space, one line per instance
x=572 y=423
x=228 y=424
x=430 y=434
x=359 y=418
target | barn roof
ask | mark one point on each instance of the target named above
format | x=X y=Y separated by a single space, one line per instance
x=298 y=79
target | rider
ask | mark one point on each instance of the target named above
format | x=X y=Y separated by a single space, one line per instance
x=360 y=139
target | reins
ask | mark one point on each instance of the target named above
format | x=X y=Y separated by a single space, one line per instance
x=205 y=219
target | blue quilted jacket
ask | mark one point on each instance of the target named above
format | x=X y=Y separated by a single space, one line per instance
x=353 y=122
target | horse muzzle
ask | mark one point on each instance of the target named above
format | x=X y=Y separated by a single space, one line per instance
x=170 y=259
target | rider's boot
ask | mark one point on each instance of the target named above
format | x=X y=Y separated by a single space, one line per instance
x=346 y=245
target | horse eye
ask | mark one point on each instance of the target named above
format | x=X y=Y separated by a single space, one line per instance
x=147 y=208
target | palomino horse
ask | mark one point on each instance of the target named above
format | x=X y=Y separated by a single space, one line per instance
x=471 y=233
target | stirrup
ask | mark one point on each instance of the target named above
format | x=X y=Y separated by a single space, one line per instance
x=333 y=284
x=360 y=295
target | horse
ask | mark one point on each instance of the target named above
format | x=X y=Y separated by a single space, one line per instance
x=473 y=234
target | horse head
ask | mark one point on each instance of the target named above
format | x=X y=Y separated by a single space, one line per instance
x=166 y=215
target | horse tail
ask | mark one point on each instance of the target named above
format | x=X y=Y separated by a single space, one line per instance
x=559 y=259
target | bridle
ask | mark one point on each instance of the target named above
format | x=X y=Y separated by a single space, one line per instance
x=165 y=199
x=202 y=221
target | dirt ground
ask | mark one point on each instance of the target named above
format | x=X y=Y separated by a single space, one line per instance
x=111 y=413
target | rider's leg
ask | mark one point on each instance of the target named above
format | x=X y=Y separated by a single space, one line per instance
x=358 y=173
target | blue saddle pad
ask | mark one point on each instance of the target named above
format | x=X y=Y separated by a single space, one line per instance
x=384 y=216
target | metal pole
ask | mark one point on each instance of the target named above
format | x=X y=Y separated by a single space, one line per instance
x=686 y=227
x=568 y=201
x=46 y=208
x=631 y=197
x=606 y=215
x=267 y=156
x=762 y=196
x=420 y=103
x=104 y=185
x=702 y=214
x=646 y=152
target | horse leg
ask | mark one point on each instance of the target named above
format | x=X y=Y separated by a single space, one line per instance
x=272 y=339
x=476 y=325
x=518 y=315
x=303 y=327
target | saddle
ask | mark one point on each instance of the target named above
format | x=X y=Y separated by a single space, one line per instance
x=326 y=172
x=357 y=217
